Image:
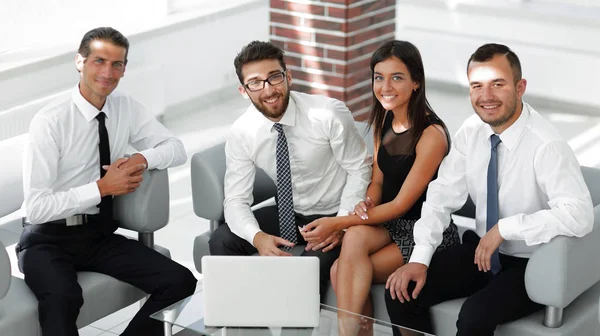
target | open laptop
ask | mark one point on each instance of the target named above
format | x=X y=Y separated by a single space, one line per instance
x=255 y=291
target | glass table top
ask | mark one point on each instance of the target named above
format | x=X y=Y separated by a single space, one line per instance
x=188 y=314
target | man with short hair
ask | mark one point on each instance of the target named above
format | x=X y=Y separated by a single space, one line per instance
x=527 y=187
x=74 y=164
x=308 y=144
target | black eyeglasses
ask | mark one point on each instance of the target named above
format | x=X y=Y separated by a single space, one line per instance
x=259 y=84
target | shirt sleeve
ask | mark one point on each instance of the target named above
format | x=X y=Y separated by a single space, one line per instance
x=445 y=195
x=239 y=182
x=351 y=153
x=570 y=212
x=154 y=141
x=40 y=168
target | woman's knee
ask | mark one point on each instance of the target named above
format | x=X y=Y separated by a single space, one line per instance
x=355 y=237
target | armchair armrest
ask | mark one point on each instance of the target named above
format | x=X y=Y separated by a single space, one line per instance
x=147 y=209
x=560 y=271
x=5 y=271
x=208 y=180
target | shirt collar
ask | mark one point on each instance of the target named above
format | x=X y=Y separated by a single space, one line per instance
x=88 y=110
x=510 y=137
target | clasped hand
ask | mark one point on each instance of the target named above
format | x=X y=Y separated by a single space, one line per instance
x=123 y=176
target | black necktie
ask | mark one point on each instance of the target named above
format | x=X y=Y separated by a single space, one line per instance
x=106 y=204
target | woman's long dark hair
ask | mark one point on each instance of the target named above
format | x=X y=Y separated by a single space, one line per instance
x=418 y=106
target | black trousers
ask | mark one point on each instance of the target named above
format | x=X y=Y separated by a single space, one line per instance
x=225 y=242
x=452 y=274
x=50 y=256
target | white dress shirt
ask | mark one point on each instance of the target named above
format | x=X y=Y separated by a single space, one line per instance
x=62 y=162
x=329 y=162
x=541 y=191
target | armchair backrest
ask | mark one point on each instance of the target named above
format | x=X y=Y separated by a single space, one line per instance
x=592 y=180
x=208 y=176
x=11 y=179
x=5 y=271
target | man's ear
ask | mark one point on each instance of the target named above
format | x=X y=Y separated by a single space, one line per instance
x=288 y=73
x=79 y=60
x=242 y=91
x=521 y=87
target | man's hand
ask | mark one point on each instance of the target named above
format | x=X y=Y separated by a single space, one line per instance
x=118 y=181
x=319 y=230
x=398 y=282
x=334 y=240
x=487 y=245
x=268 y=245
x=361 y=208
x=135 y=159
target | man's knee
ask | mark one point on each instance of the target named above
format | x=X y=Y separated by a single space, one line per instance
x=219 y=239
x=61 y=298
x=182 y=280
x=394 y=307
x=474 y=319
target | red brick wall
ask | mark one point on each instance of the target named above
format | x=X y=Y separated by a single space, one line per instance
x=329 y=43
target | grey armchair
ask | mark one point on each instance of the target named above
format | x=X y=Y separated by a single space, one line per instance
x=562 y=275
x=144 y=211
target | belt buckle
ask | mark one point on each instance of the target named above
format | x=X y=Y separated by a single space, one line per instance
x=75 y=220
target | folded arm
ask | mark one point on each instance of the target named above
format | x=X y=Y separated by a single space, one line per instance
x=154 y=141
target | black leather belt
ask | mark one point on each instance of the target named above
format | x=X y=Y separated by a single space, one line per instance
x=69 y=221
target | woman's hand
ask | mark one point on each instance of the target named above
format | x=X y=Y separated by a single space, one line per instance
x=361 y=208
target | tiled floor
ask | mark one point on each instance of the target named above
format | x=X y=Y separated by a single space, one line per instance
x=209 y=125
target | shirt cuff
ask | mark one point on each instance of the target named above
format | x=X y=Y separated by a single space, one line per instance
x=422 y=255
x=152 y=157
x=88 y=195
x=509 y=228
x=249 y=234
x=342 y=212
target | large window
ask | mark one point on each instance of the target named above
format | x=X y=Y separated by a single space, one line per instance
x=40 y=24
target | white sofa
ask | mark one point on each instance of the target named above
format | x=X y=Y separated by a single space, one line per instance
x=562 y=275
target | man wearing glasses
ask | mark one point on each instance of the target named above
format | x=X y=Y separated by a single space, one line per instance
x=308 y=145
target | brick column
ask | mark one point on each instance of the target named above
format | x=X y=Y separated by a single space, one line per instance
x=328 y=45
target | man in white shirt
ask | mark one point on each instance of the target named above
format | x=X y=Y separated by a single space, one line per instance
x=308 y=144
x=73 y=166
x=527 y=187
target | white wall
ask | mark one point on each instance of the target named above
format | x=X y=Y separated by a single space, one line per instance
x=169 y=65
x=557 y=44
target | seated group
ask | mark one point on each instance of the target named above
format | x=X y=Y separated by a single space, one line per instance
x=381 y=219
